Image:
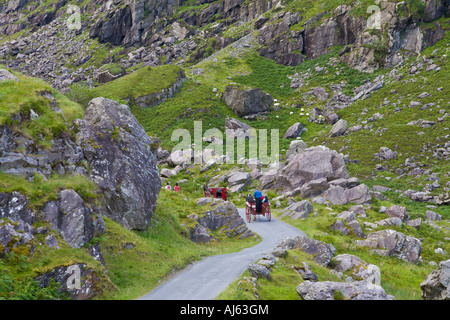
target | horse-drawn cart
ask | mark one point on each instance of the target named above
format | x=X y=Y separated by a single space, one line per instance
x=250 y=210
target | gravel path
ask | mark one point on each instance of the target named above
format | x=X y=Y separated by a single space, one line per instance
x=205 y=279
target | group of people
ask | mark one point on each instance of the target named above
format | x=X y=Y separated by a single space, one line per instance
x=169 y=187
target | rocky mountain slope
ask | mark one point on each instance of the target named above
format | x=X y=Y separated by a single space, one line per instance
x=360 y=99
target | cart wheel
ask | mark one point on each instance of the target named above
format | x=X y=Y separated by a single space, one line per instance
x=247 y=214
x=268 y=215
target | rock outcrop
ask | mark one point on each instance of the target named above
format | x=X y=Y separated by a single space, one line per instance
x=70 y=216
x=223 y=216
x=329 y=290
x=437 y=285
x=68 y=276
x=122 y=164
x=246 y=102
x=316 y=171
x=393 y=243
x=322 y=252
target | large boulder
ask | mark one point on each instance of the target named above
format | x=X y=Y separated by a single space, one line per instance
x=224 y=216
x=329 y=290
x=393 y=243
x=245 y=102
x=121 y=160
x=340 y=195
x=437 y=285
x=312 y=164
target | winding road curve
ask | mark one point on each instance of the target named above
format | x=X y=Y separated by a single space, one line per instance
x=207 y=278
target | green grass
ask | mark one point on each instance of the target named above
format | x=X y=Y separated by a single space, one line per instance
x=26 y=94
x=38 y=192
x=126 y=89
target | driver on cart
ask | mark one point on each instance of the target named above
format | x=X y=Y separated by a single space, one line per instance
x=258 y=199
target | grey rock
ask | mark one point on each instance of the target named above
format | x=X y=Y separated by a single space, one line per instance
x=306 y=273
x=51 y=241
x=386 y=153
x=314 y=188
x=394 y=243
x=359 y=269
x=312 y=164
x=339 y=128
x=298 y=210
x=294 y=131
x=259 y=271
x=431 y=215
x=437 y=284
x=246 y=102
x=358 y=290
x=322 y=252
x=71 y=218
x=6 y=75
x=122 y=163
x=396 y=211
x=296 y=147
x=64 y=275
x=14 y=206
x=224 y=217
x=200 y=234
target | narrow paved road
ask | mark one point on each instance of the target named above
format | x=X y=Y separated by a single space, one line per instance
x=207 y=278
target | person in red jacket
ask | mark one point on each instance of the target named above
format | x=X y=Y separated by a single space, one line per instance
x=177 y=187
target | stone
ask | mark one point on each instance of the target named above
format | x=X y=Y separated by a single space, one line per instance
x=394 y=243
x=224 y=217
x=71 y=218
x=306 y=273
x=89 y=282
x=259 y=271
x=312 y=164
x=6 y=75
x=296 y=147
x=338 y=129
x=396 y=211
x=238 y=178
x=179 y=31
x=200 y=234
x=437 y=284
x=123 y=165
x=322 y=252
x=338 y=195
x=431 y=215
x=386 y=153
x=314 y=188
x=327 y=290
x=298 y=210
x=51 y=241
x=359 y=269
x=294 y=131
x=246 y=102
x=14 y=206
